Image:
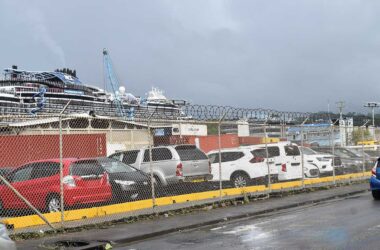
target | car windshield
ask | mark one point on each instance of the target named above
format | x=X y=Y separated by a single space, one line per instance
x=308 y=151
x=190 y=153
x=373 y=153
x=345 y=153
x=113 y=166
x=359 y=152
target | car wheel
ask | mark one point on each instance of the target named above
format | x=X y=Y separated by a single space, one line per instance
x=118 y=195
x=376 y=194
x=157 y=181
x=160 y=190
x=53 y=204
x=317 y=174
x=240 y=180
x=273 y=179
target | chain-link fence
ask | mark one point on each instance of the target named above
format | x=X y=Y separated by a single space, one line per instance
x=71 y=170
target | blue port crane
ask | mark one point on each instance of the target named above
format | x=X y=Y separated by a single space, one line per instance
x=112 y=81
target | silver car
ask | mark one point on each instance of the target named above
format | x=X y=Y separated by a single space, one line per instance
x=170 y=164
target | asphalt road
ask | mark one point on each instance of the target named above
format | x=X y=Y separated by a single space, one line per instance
x=349 y=223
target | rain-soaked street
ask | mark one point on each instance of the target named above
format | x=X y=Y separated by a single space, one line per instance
x=350 y=223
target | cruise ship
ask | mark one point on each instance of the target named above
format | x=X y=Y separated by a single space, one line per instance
x=33 y=93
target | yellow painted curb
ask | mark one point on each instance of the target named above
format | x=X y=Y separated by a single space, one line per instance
x=87 y=213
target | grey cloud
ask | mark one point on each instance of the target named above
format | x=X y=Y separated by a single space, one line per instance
x=287 y=55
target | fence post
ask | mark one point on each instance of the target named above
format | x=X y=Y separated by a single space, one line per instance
x=220 y=156
x=61 y=171
x=62 y=200
x=362 y=132
x=180 y=131
x=152 y=180
x=267 y=158
x=332 y=142
x=302 y=156
x=362 y=136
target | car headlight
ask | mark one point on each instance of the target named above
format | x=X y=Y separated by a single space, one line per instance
x=125 y=183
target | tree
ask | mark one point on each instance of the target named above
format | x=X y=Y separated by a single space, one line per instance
x=361 y=134
x=212 y=129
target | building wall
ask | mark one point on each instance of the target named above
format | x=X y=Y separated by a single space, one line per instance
x=252 y=140
x=126 y=140
x=211 y=142
x=117 y=139
x=20 y=149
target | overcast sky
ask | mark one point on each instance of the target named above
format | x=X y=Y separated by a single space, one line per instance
x=286 y=55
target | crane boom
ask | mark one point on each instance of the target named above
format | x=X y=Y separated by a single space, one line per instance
x=112 y=81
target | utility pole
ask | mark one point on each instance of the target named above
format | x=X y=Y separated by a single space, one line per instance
x=372 y=106
x=341 y=106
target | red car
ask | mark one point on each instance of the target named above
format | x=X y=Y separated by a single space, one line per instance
x=38 y=182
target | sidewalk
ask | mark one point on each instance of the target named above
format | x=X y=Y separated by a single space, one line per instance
x=162 y=225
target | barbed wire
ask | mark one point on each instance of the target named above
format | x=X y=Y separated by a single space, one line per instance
x=195 y=112
x=214 y=112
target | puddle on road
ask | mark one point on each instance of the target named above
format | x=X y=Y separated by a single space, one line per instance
x=374 y=228
x=249 y=233
x=217 y=228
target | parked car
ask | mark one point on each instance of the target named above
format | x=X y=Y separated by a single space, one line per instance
x=311 y=171
x=287 y=159
x=369 y=160
x=374 y=154
x=127 y=182
x=322 y=161
x=170 y=164
x=242 y=166
x=39 y=183
x=351 y=163
x=375 y=181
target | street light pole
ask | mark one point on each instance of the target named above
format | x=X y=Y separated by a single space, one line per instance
x=372 y=106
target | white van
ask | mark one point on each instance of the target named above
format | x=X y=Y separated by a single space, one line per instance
x=287 y=159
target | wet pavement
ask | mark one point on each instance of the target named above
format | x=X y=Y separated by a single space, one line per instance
x=347 y=223
x=163 y=225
